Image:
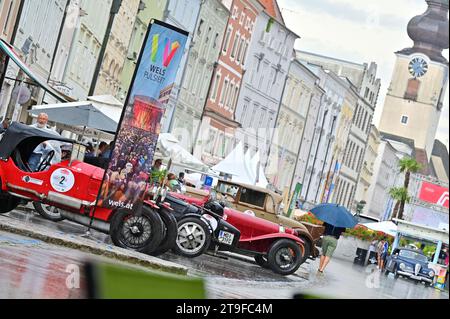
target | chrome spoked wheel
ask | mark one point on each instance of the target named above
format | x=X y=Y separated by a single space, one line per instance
x=285 y=258
x=193 y=237
x=136 y=231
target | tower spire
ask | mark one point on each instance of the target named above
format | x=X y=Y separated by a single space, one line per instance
x=429 y=31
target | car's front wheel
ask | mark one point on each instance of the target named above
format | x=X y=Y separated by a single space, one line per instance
x=170 y=234
x=48 y=212
x=284 y=257
x=396 y=274
x=141 y=232
x=193 y=237
x=8 y=202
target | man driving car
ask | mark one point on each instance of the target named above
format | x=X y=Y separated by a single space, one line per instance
x=42 y=150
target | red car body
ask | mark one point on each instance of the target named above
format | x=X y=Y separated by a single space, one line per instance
x=257 y=234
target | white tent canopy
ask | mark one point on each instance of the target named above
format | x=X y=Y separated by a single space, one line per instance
x=170 y=147
x=386 y=227
x=243 y=167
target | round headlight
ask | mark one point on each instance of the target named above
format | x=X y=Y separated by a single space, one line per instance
x=431 y=273
x=402 y=266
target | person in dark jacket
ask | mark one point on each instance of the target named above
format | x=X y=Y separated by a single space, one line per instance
x=329 y=244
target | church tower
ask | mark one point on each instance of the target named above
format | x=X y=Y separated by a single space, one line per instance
x=415 y=96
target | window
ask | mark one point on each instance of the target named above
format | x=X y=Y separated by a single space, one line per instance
x=412 y=90
x=244 y=53
x=239 y=52
x=215 y=87
x=216 y=38
x=224 y=92
x=200 y=24
x=252 y=197
x=236 y=93
x=235 y=45
x=226 y=40
x=404 y=119
x=5 y=26
x=229 y=99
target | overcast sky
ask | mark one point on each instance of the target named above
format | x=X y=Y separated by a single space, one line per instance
x=358 y=31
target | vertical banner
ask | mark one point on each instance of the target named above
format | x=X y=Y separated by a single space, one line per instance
x=295 y=196
x=128 y=173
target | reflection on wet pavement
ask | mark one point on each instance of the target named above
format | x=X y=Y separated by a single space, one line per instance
x=30 y=268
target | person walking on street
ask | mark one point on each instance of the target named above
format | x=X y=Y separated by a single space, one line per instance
x=330 y=239
x=382 y=251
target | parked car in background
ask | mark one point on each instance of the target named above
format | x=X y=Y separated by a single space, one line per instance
x=410 y=263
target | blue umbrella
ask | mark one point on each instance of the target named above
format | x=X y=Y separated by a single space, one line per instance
x=335 y=215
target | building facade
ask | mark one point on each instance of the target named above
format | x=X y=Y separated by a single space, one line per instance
x=319 y=158
x=416 y=94
x=367 y=170
x=151 y=10
x=385 y=176
x=362 y=81
x=216 y=136
x=9 y=11
x=290 y=127
x=36 y=45
x=90 y=27
x=205 y=49
x=269 y=58
x=117 y=49
x=182 y=14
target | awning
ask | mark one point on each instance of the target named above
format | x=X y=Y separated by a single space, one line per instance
x=9 y=51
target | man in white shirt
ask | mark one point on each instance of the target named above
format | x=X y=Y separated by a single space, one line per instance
x=44 y=148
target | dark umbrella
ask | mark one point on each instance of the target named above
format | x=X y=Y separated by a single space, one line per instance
x=335 y=215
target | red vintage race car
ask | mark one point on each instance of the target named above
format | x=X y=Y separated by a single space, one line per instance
x=273 y=246
x=72 y=186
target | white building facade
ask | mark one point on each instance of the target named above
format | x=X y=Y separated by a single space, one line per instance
x=182 y=14
x=290 y=127
x=204 y=52
x=269 y=56
x=319 y=157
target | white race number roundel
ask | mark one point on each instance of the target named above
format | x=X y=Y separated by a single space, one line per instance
x=62 y=180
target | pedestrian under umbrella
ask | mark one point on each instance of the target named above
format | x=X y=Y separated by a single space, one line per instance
x=336 y=219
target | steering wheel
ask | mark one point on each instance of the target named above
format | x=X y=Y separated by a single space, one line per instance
x=46 y=161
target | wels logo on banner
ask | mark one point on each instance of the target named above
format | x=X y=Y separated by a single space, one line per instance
x=434 y=194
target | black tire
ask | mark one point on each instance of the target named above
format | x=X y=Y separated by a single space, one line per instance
x=307 y=245
x=8 y=203
x=284 y=257
x=142 y=233
x=386 y=272
x=396 y=274
x=261 y=260
x=171 y=232
x=48 y=212
x=189 y=245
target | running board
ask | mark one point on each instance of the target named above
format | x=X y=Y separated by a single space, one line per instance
x=99 y=225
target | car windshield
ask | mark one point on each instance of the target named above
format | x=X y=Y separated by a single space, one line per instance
x=252 y=197
x=228 y=189
x=413 y=255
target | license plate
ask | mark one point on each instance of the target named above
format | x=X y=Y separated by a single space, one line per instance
x=415 y=277
x=226 y=237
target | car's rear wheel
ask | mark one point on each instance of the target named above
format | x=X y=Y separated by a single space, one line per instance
x=193 y=237
x=48 y=212
x=8 y=203
x=284 y=257
x=171 y=232
x=141 y=232
x=261 y=260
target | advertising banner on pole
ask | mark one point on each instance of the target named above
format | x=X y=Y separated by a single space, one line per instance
x=128 y=174
x=295 y=196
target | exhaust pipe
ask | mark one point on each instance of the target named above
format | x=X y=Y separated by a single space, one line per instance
x=98 y=225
